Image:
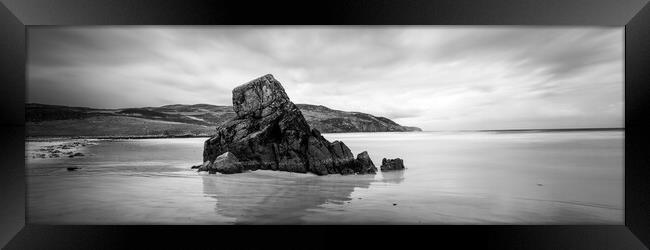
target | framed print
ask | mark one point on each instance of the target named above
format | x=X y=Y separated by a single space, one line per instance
x=514 y=124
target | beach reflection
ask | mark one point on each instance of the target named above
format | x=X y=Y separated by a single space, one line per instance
x=268 y=197
x=393 y=177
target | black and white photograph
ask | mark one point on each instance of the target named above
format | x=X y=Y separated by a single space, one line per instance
x=293 y=125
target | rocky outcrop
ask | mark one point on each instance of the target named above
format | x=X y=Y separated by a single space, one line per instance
x=392 y=164
x=270 y=132
x=366 y=163
x=59 y=148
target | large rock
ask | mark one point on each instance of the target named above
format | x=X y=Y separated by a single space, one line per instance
x=259 y=98
x=392 y=164
x=270 y=132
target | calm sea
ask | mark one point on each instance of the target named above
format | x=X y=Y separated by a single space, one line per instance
x=451 y=178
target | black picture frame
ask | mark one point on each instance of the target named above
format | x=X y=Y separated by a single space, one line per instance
x=16 y=15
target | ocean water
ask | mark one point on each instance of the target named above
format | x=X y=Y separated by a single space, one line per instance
x=451 y=178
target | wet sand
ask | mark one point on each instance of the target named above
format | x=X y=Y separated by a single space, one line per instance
x=451 y=178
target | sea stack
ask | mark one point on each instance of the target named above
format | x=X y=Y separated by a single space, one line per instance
x=391 y=164
x=270 y=132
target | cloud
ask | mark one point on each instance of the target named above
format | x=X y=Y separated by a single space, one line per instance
x=439 y=77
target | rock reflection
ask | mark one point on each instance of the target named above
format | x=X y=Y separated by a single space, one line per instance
x=268 y=197
x=394 y=177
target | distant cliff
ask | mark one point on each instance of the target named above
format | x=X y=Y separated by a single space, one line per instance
x=329 y=120
x=180 y=120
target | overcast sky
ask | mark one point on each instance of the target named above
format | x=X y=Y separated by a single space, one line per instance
x=436 y=78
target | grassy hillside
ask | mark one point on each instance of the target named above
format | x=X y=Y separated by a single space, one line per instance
x=116 y=126
x=180 y=120
x=333 y=121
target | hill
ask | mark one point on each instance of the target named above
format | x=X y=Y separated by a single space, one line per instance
x=180 y=120
x=329 y=120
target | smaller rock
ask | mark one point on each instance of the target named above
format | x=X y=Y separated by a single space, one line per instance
x=367 y=167
x=72 y=168
x=202 y=167
x=205 y=166
x=392 y=164
x=78 y=154
x=226 y=163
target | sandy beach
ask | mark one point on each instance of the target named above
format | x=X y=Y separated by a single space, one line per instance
x=451 y=178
